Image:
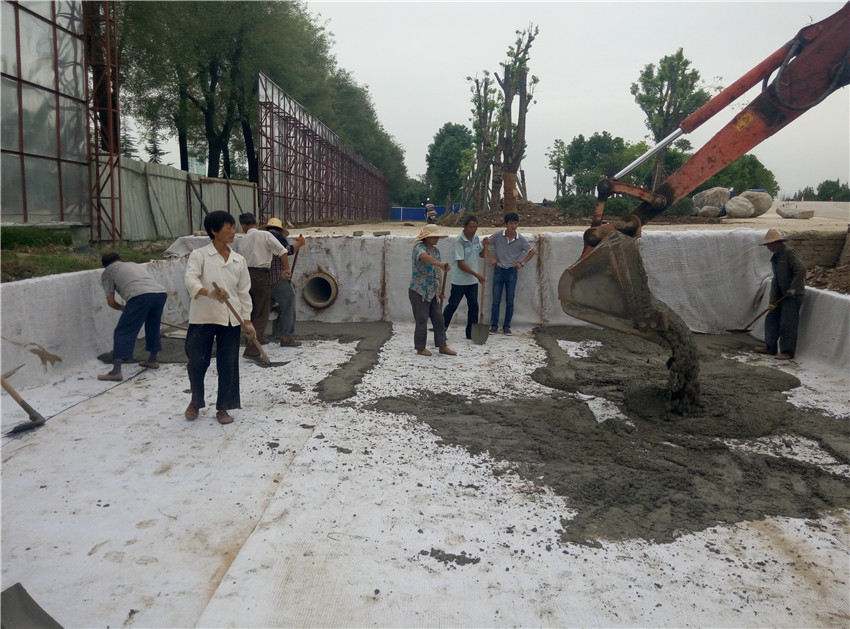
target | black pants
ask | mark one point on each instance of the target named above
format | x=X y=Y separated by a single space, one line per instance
x=780 y=326
x=199 y=344
x=422 y=311
x=459 y=291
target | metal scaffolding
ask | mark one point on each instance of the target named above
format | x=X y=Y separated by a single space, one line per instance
x=307 y=174
x=104 y=146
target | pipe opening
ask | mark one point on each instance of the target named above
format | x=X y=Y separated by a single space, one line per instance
x=320 y=290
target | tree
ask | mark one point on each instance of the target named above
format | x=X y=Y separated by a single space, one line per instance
x=485 y=103
x=515 y=83
x=128 y=145
x=414 y=192
x=556 y=156
x=449 y=158
x=667 y=94
x=153 y=146
x=745 y=173
x=833 y=190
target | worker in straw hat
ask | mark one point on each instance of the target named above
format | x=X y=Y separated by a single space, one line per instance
x=425 y=290
x=283 y=328
x=786 y=296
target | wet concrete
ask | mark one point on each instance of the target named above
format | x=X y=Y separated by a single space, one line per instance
x=656 y=475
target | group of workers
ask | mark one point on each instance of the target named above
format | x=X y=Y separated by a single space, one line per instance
x=231 y=293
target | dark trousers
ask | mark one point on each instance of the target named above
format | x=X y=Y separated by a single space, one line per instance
x=422 y=311
x=284 y=295
x=199 y=344
x=459 y=291
x=780 y=326
x=145 y=309
x=503 y=280
x=261 y=297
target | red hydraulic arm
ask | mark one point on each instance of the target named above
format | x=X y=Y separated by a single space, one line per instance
x=811 y=66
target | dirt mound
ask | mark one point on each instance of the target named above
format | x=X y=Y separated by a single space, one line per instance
x=835 y=278
x=653 y=476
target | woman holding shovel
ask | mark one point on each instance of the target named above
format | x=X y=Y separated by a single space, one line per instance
x=214 y=275
x=427 y=291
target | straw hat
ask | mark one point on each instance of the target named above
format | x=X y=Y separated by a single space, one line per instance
x=274 y=222
x=431 y=231
x=771 y=236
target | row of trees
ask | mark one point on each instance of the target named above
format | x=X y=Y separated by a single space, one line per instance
x=827 y=190
x=190 y=71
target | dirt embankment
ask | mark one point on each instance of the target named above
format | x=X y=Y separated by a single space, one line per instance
x=653 y=476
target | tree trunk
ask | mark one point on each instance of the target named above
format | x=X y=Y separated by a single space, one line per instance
x=523 y=190
x=250 y=151
x=180 y=121
x=213 y=156
x=510 y=183
x=496 y=189
x=658 y=171
x=225 y=157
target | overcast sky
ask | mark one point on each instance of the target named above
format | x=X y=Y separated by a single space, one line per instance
x=415 y=56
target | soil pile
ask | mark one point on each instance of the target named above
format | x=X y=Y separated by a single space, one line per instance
x=835 y=278
x=655 y=476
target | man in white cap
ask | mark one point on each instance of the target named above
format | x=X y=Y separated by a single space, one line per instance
x=786 y=296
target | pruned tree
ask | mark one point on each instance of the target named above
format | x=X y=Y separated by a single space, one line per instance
x=516 y=84
x=485 y=101
x=667 y=94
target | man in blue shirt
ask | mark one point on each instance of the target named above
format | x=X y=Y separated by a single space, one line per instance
x=465 y=274
x=512 y=252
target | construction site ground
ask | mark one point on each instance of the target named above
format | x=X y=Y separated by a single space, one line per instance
x=534 y=480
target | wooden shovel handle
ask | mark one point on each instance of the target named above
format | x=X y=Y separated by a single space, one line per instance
x=33 y=414
x=443 y=285
x=765 y=311
x=253 y=339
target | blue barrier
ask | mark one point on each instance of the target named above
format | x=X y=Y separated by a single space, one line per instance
x=417 y=213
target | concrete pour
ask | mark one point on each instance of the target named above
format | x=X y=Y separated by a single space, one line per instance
x=309 y=513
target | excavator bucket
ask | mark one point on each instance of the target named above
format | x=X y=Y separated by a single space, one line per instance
x=609 y=288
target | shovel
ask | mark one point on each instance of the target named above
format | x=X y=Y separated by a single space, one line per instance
x=263 y=359
x=758 y=316
x=480 y=331
x=36 y=419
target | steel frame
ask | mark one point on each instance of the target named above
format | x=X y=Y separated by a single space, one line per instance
x=307 y=174
x=104 y=120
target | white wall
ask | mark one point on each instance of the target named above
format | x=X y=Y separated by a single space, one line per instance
x=710 y=278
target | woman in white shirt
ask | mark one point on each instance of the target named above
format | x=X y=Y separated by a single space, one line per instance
x=210 y=320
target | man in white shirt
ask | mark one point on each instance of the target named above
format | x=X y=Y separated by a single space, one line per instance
x=210 y=320
x=466 y=275
x=259 y=247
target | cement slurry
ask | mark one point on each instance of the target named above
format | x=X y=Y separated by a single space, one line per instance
x=314 y=514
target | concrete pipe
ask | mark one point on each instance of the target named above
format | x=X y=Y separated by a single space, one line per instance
x=320 y=289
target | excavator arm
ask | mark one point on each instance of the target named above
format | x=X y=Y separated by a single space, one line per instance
x=814 y=64
x=608 y=284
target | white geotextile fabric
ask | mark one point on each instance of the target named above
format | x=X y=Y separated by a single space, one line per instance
x=714 y=280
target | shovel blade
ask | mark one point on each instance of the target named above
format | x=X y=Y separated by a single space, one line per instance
x=480 y=333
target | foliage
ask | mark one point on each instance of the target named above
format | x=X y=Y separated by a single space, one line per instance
x=153 y=146
x=667 y=93
x=14 y=237
x=556 y=157
x=192 y=68
x=806 y=194
x=745 y=173
x=413 y=193
x=833 y=190
x=128 y=145
x=576 y=205
x=449 y=158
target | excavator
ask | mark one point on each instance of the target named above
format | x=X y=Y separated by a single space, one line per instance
x=608 y=286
